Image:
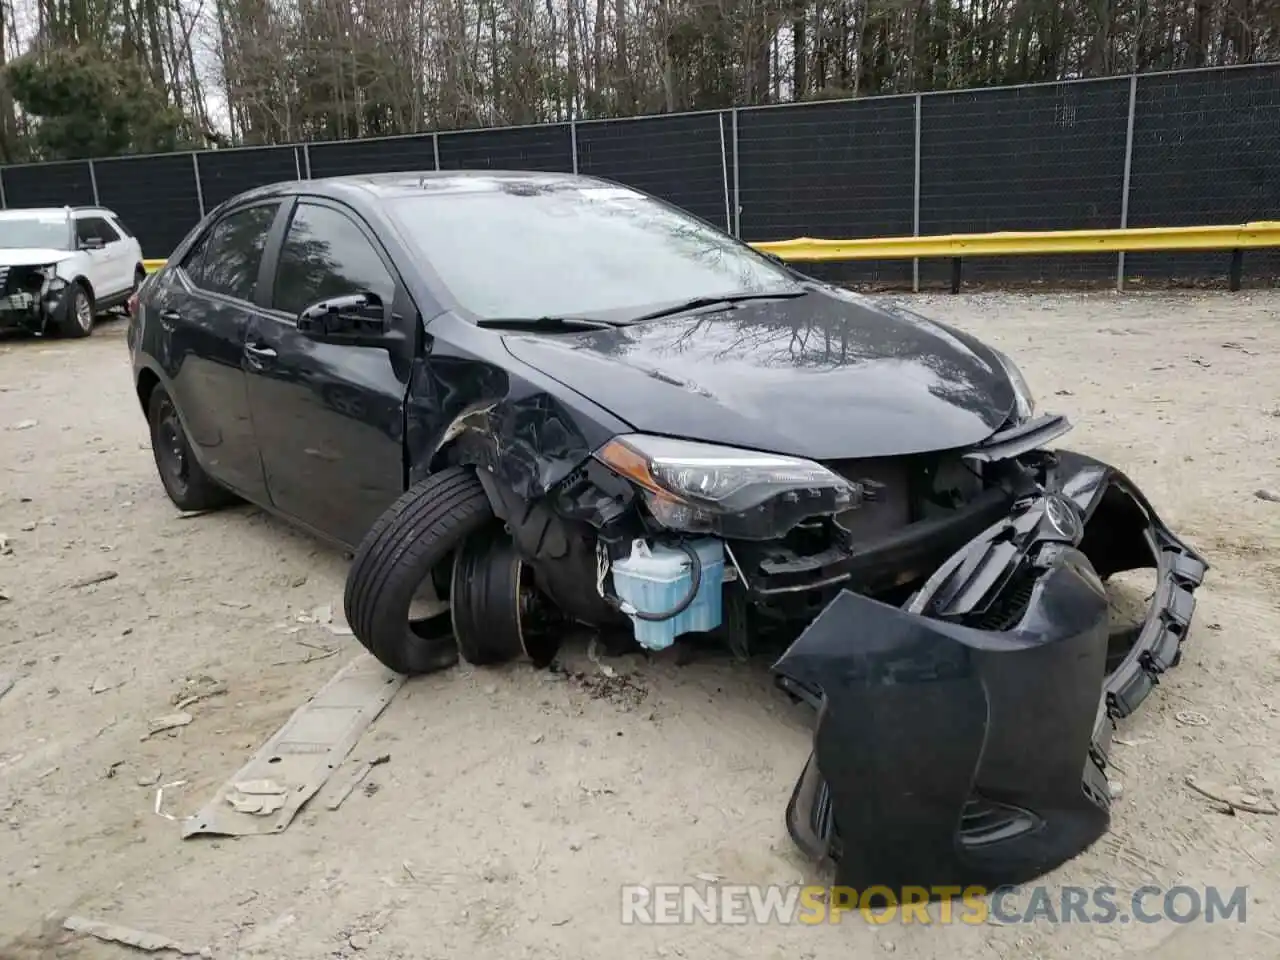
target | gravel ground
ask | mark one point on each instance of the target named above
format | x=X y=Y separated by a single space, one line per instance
x=517 y=802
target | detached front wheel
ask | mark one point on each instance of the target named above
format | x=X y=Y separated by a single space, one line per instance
x=418 y=533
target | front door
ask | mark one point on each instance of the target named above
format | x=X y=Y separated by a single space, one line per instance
x=205 y=310
x=111 y=266
x=329 y=418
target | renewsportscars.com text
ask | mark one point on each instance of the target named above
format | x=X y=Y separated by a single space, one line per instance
x=668 y=904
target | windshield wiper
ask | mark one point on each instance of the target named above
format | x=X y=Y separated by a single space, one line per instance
x=545 y=324
x=699 y=302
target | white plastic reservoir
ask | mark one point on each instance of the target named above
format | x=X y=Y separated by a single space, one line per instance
x=656 y=579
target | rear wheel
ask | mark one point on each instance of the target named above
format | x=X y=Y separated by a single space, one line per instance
x=184 y=480
x=77 y=313
x=418 y=533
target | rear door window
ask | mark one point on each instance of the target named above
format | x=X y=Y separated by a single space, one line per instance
x=325 y=254
x=232 y=252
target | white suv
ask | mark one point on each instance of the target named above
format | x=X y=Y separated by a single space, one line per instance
x=60 y=267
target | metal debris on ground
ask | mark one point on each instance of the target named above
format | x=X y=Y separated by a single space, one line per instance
x=6 y=548
x=6 y=684
x=102 y=577
x=1233 y=798
x=160 y=797
x=302 y=755
x=169 y=721
x=138 y=939
x=355 y=781
x=339 y=628
x=322 y=614
x=236 y=604
x=258 y=797
x=1191 y=718
x=1269 y=495
x=24 y=424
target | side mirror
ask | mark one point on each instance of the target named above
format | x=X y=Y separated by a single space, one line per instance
x=91 y=243
x=355 y=319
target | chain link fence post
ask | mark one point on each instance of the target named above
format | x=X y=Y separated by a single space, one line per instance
x=93 y=181
x=306 y=160
x=915 y=202
x=435 y=148
x=195 y=169
x=1128 y=169
x=737 y=194
x=4 y=200
x=724 y=175
x=573 y=143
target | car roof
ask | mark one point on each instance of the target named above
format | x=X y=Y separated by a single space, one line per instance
x=385 y=186
x=19 y=213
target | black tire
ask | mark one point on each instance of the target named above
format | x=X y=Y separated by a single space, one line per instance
x=417 y=533
x=184 y=480
x=78 y=313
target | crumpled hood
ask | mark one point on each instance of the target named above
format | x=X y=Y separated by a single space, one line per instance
x=830 y=375
x=32 y=256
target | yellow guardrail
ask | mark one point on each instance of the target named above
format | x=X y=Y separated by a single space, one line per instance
x=955 y=246
x=1238 y=237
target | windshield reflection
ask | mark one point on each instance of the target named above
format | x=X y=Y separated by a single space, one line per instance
x=513 y=247
x=34 y=232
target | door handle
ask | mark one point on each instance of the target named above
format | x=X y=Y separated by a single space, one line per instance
x=256 y=352
x=168 y=318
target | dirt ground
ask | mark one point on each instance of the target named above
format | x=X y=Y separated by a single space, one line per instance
x=516 y=802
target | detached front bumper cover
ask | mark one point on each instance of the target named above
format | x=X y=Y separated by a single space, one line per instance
x=963 y=739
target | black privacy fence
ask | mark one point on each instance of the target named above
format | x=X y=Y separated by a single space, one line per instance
x=1173 y=149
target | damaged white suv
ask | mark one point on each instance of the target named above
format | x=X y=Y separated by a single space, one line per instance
x=61 y=267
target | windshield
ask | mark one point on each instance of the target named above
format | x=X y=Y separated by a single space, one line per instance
x=46 y=231
x=507 y=248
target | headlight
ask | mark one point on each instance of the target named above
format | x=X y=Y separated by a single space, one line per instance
x=737 y=494
x=50 y=274
x=1024 y=404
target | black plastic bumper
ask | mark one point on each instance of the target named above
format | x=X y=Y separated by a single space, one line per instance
x=963 y=738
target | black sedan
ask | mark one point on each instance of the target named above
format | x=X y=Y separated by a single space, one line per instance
x=530 y=402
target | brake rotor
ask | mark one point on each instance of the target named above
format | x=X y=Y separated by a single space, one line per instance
x=498 y=612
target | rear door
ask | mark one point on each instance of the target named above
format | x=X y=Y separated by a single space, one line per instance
x=130 y=249
x=329 y=418
x=204 y=315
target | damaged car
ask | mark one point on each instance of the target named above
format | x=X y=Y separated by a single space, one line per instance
x=534 y=402
x=62 y=267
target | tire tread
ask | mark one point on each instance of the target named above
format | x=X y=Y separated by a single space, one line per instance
x=415 y=533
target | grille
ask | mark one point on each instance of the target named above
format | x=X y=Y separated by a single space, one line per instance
x=1009 y=606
